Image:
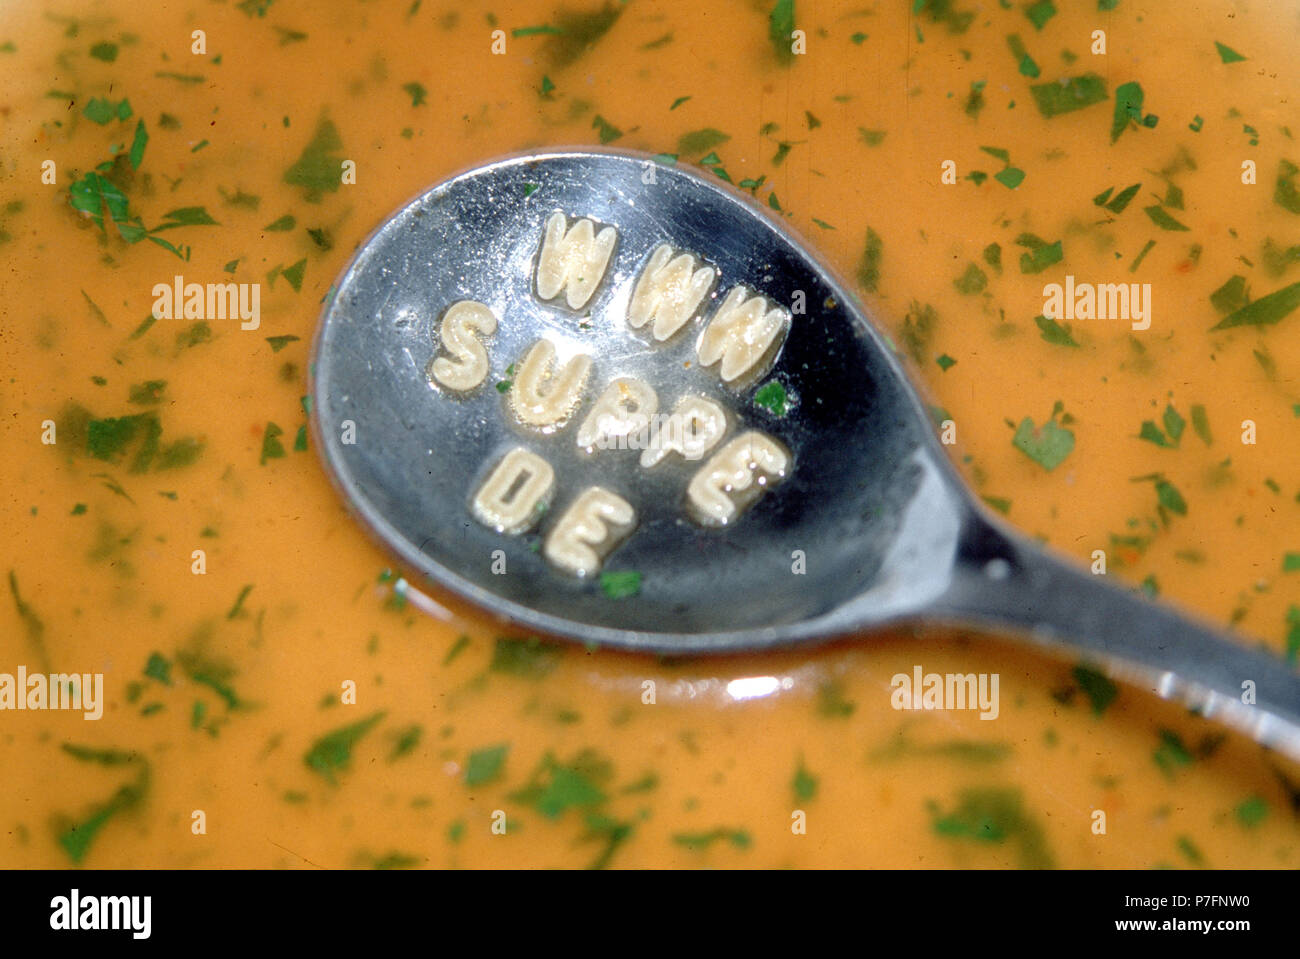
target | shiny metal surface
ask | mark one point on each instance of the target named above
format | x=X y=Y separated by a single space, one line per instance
x=884 y=526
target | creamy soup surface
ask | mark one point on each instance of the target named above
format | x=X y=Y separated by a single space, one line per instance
x=271 y=694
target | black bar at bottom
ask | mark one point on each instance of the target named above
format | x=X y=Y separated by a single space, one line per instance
x=215 y=908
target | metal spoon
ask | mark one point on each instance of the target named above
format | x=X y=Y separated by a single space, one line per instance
x=887 y=531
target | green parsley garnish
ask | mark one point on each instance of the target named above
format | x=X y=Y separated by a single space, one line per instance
x=700 y=142
x=332 y=753
x=485 y=764
x=416 y=91
x=272 y=448
x=1054 y=332
x=608 y=133
x=772 y=397
x=972 y=281
x=1227 y=54
x=1069 y=94
x=869 y=265
x=1265 y=311
x=1047 y=445
x=280 y=342
x=620 y=584
x=320 y=167
x=780 y=28
x=529 y=658
x=1162 y=219
x=1041 y=254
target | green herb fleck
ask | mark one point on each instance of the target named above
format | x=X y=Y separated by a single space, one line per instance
x=994 y=815
x=772 y=397
x=869 y=265
x=158 y=667
x=1285 y=193
x=607 y=131
x=1101 y=692
x=462 y=643
x=972 y=281
x=1162 y=219
x=239 y=602
x=780 y=28
x=1054 y=332
x=332 y=753
x=280 y=342
x=1264 y=311
x=416 y=91
x=700 y=142
x=529 y=658
x=804 y=783
x=620 y=584
x=831 y=702
x=1069 y=94
x=1041 y=254
x=700 y=841
x=272 y=448
x=148 y=393
x=1227 y=54
x=319 y=168
x=485 y=764
x=1039 y=13
x=1048 y=445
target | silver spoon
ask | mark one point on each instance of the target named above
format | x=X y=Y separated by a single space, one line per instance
x=886 y=530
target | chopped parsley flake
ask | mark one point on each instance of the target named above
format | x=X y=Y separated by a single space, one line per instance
x=1285 y=193
x=738 y=838
x=700 y=142
x=280 y=342
x=1162 y=219
x=972 y=281
x=1041 y=254
x=1069 y=94
x=1039 y=13
x=272 y=448
x=780 y=28
x=607 y=132
x=332 y=753
x=529 y=658
x=1047 y=445
x=1054 y=332
x=416 y=91
x=772 y=397
x=319 y=168
x=485 y=764
x=1101 y=692
x=869 y=265
x=620 y=584
x=1265 y=311
x=1227 y=54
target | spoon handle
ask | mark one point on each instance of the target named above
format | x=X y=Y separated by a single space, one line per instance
x=1005 y=582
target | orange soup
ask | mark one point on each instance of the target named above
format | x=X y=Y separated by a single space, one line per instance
x=271 y=695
